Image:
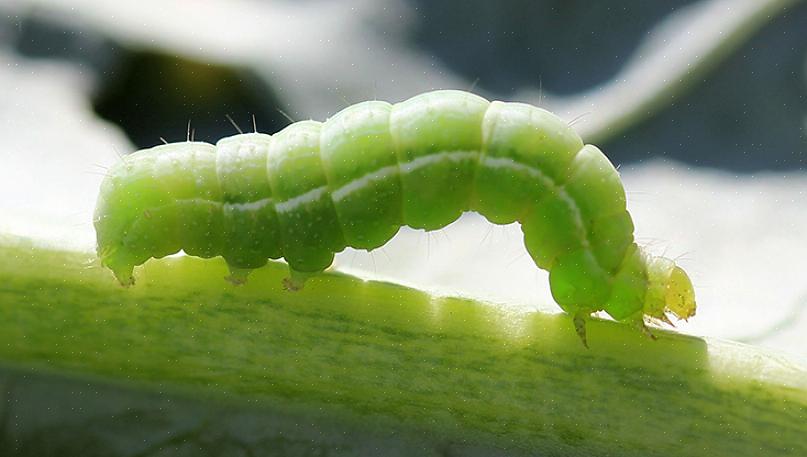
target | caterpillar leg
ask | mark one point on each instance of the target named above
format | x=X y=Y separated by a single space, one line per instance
x=238 y=276
x=125 y=279
x=296 y=280
x=645 y=330
x=123 y=271
x=580 y=326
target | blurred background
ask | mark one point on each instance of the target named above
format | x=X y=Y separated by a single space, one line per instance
x=702 y=105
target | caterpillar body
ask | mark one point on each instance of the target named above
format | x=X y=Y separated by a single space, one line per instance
x=314 y=188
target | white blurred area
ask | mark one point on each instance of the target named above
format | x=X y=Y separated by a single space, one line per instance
x=740 y=237
x=54 y=151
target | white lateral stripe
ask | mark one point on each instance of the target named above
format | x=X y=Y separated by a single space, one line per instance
x=558 y=190
x=251 y=206
x=453 y=156
x=507 y=163
x=302 y=199
x=359 y=183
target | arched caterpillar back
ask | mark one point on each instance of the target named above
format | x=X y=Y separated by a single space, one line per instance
x=314 y=188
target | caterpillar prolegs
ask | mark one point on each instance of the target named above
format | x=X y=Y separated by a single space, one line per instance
x=314 y=188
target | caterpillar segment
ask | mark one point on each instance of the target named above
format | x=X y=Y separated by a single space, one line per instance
x=314 y=188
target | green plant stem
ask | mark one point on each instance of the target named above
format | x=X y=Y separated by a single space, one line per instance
x=358 y=368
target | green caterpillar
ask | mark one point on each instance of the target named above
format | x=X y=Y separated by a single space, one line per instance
x=315 y=188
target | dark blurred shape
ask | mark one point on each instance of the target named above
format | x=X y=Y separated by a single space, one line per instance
x=154 y=95
x=149 y=94
x=748 y=115
x=567 y=45
x=42 y=37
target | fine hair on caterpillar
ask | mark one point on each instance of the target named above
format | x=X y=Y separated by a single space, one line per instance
x=313 y=189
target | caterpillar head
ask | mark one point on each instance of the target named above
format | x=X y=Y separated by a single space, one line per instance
x=669 y=291
x=679 y=296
